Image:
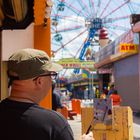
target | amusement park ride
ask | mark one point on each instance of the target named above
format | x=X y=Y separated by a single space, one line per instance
x=79 y=26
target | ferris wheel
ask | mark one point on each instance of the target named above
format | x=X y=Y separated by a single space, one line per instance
x=76 y=24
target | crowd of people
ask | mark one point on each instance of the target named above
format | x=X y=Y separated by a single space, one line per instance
x=83 y=94
x=111 y=93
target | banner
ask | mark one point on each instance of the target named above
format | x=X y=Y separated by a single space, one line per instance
x=132 y=48
x=76 y=63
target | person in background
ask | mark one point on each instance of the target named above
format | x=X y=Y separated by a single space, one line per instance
x=97 y=93
x=112 y=88
x=21 y=118
x=56 y=100
x=105 y=90
x=116 y=99
x=103 y=95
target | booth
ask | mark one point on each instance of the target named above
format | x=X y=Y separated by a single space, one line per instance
x=117 y=124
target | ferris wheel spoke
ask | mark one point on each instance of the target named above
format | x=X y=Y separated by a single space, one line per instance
x=70 y=53
x=77 y=11
x=92 y=7
x=75 y=37
x=112 y=32
x=84 y=6
x=136 y=4
x=104 y=8
x=64 y=48
x=68 y=18
x=56 y=44
x=54 y=10
x=111 y=20
x=80 y=48
x=116 y=9
x=134 y=7
x=61 y=47
x=130 y=7
x=73 y=9
x=64 y=72
x=117 y=27
x=64 y=45
x=52 y=28
x=98 y=9
x=67 y=29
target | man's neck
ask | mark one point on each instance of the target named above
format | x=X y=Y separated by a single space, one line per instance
x=21 y=99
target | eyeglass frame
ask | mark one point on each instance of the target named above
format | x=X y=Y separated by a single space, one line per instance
x=48 y=74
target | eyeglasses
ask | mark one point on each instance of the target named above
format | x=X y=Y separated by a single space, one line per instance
x=53 y=75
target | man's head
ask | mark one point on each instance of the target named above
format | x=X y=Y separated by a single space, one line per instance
x=30 y=70
x=112 y=86
x=115 y=92
x=30 y=63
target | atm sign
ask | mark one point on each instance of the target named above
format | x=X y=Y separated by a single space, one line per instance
x=129 y=48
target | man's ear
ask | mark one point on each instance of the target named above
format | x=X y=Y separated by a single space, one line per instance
x=38 y=82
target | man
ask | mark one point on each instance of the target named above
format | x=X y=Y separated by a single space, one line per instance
x=56 y=101
x=116 y=98
x=112 y=88
x=21 y=118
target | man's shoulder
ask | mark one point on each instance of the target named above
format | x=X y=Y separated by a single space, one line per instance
x=52 y=118
x=51 y=114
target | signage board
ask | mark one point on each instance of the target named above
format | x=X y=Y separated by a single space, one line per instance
x=74 y=63
x=105 y=70
x=132 y=48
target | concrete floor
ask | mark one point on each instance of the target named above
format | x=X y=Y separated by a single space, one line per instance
x=76 y=127
x=136 y=125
